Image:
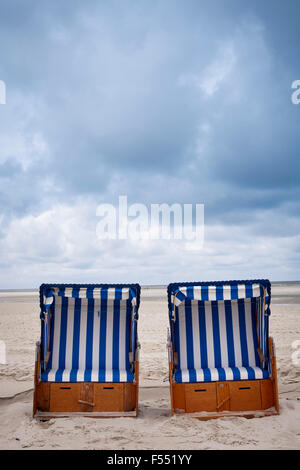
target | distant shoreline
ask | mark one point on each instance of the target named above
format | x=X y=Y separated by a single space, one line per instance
x=144 y=286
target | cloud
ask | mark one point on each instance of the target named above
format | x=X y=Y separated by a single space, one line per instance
x=61 y=245
x=162 y=102
x=214 y=74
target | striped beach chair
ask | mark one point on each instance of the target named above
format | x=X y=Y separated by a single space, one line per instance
x=221 y=358
x=87 y=358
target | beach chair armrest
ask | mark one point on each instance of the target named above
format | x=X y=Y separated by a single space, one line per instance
x=272 y=349
x=37 y=350
x=37 y=371
x=169 y=339
x=170 y=349
x=137 y=351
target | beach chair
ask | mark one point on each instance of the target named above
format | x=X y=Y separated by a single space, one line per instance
x=87 y=360
x=221 y=358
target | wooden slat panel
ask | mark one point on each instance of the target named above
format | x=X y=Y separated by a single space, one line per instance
x=178 y=397
x=43 y=396
x=87 y=397
x=225 y=414
x=223 y=396
x=105 y=414
x=267 y=394
x=129 y=396
x=65 y=397
x=109 y=397
x=245 y=395
x=200 y=397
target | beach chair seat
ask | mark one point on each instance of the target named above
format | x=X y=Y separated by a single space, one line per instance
x=220 y=374
x=219 y=334
x=88 y=337
x=87 y=375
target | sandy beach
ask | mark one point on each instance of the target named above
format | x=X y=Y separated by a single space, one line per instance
x=154 y=428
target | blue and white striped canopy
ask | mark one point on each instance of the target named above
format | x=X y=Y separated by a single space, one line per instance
x=179 y=293
x=108 y=292
x=219 y=330
x=88 y=332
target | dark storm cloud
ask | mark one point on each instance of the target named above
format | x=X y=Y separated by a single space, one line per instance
x=110 y=100
x=161 y=101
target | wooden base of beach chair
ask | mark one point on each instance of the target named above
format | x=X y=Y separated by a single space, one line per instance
x=44 y=415
x=85 y=398
x=215 y=399
x=204 y=416
x=207 y=400
x=101 y=400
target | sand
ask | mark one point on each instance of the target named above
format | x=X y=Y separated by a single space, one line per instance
x=154 y=429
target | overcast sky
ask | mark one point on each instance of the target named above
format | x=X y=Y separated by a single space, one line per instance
x=161 y=101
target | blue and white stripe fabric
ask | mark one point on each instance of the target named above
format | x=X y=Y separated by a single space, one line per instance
x=216 y=292
x=92 y=333
x=218 y=330
x=90 y=292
